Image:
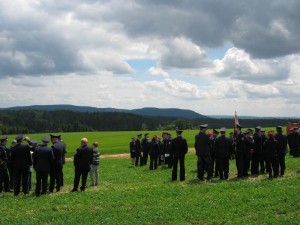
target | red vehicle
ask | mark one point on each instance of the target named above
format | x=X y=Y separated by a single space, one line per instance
x=291 y=125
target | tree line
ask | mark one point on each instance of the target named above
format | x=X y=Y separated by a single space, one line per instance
x=38 y=121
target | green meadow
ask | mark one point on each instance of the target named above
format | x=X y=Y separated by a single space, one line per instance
x=136 y=195
x=110 y=142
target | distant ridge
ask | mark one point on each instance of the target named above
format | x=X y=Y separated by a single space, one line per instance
x=148 y=111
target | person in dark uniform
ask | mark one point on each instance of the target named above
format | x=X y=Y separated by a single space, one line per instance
x=214 y=165
x=179 y=149
x=132 y=148
x=281 y=148
x=56 y=167
x=4 y=177
x=257 y=151
x=262 y=161
x=21 y=160
x=168 y=150
x=223 y=151
x=270 y=147
x=145 y=142
x=10 y=166
x=249 y=148
x=202 y=147
x=154 y=148
x=240 y=149
x=162 y=150
x=42 y=160
x=82 y=161
x=294 y=142
x=138 y=157
x=63 y=161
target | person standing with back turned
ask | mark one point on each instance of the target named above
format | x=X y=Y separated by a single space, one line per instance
x=179 y=149
x=82 y=162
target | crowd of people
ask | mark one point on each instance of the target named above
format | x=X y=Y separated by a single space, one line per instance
x=254 y=151
x=18 y=162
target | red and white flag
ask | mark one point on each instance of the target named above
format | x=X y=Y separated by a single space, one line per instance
x=236 y=120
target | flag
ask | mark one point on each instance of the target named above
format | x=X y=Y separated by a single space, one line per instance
x=236 y=120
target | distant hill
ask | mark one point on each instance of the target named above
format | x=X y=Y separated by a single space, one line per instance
x=168 y=112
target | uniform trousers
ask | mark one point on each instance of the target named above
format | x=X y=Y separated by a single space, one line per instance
x=182 y=167
x=41 y=182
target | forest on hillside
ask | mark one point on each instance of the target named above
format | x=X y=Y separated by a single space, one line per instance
x=38 y=121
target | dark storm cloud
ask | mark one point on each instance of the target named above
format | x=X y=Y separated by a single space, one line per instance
x=35 y=37
x=265 y=29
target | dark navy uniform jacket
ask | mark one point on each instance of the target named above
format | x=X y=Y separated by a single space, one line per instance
x=281 y=142
x=154 y=148
x=240 y=144
x=58 y=152
x=20 y=156
x=179 y=146
x=42 y=158
x=223 y=147
x=202 y=144
x=270 y=148
x=83 y=157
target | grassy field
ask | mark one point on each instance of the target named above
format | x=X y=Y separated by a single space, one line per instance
x=110 y=142
x=135 y=195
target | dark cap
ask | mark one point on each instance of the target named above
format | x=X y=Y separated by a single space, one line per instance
x=203 y=125
x=179 y=131
x=19 y=137
x=139 y=135
x=34 y=142
x=215 y=131
x=258 y=128
x=55 y=135
x=4 y=138
x=279 y=128
x=250 y=130
x=247 y=132
x=146 y=134
x=45 y=140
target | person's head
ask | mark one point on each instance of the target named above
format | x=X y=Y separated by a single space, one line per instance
x=247 y=134
x=3 y=140
x=250 y=131
x=179 y=132
x=95 y=144
x=54 y=138
x=45 y=140
x=14 y=143
x=257 y=129
x=139 y=136
x=295 y=129
x=238 y=128
x=215 y=133
x=154 y=138
x=19 y=138
x=279 y=129
x=271 y=135
x=223 y=130
x=133 y=138
x=203 y=128
x=83 y=141
x=146 y=135
x=168 y=135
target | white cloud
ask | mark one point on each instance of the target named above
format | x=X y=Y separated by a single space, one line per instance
x=157 y=72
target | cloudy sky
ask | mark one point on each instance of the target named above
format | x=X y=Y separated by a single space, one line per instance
x=211 y=56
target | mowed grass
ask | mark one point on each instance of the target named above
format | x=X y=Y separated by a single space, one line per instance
x=136 y=195
x=111 y=142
